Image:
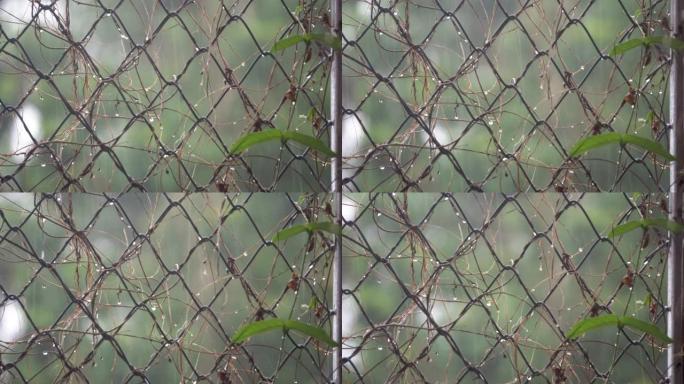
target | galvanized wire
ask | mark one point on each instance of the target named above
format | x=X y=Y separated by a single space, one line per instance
x=150 y=287
x=437 y=287
x=492 y=96
x=149 y=96
x=484 y=287
x=101 y=100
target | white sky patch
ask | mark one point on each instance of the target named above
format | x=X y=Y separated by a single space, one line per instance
x=442 y=312
x=364 y=8
x=106 y=53
x=353 y=136
x=15 y=14
x=442 y=134
x=353 y=142
x=12 y=321
x=20 y=141
x=350 y=324
x=350 y=209
x=350 y=315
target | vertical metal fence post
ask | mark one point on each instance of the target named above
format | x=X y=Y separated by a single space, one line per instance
x=675 y=274
x=336 y=141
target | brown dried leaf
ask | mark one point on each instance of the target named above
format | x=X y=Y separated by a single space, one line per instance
x=293 y=284
x=631 y=97
x=628 y=279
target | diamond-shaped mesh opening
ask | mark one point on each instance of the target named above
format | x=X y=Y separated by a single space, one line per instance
x=435 y=285
x=155 y=96
x=88 y=279
x=148 y=250
x=489 y=286
x=520 y=85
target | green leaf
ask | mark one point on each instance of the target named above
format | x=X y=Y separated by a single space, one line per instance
x=649 y=118
x=646 y=223
x=603 y=139
x=647 y=302
x=645 y=327
x=262 y=326
x=253 y=138
x=294 y=230
x=626 y=227
x=311 y=115
x=585 y=325
x=309 y=141
x=313 y=302
x=327 y=39
x=628 y=45
x=649 y=145
x=591 y=323
x=289 y=41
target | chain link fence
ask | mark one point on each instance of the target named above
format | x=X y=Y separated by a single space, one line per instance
x=484 y=288
x=135 y=241
x=492 y=95
x=437 y=287
x=135 y=95
x=150 y=288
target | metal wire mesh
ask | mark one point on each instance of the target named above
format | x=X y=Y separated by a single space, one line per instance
x=103 y=99
x=438 y=287
x=135 y=95
x=150 y=287
x=492 y=95
x=484 y=288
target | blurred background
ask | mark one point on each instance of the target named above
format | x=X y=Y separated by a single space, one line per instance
x=491 y=95
x=150 y=96
x=133 y=243
x=437 y=287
